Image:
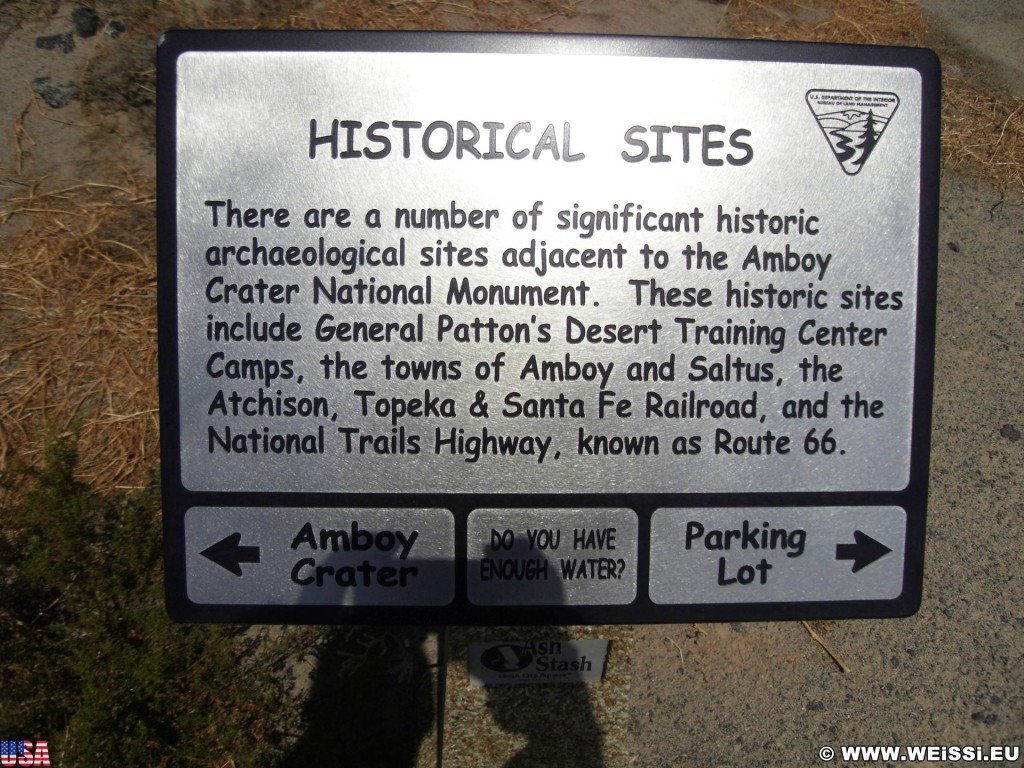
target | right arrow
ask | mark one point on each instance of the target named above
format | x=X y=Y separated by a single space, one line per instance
x=863 y=553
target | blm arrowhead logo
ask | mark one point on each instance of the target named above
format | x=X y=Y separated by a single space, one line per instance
x=853 y=122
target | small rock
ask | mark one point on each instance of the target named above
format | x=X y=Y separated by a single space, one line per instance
x=954 y=247
x=985 y=717
x=54 y=95
x=115 y=28
x=1010 y=432
x=63 y=42
x=86 y=21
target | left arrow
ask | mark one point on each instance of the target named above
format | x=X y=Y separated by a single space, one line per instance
x=229 y=554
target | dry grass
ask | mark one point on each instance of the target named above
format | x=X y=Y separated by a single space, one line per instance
x=77 y=297
x=434 y=15
x=983 y=133
x=876 y=22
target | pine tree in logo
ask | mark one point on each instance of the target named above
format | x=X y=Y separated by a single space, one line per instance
x=868 y=141
x=853 y=123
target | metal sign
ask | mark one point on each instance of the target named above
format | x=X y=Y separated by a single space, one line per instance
x=518 y=329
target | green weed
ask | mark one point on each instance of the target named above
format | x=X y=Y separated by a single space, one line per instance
x=89 y=659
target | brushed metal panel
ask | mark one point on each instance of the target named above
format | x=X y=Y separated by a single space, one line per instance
x=243 y=134
x=777 y=555
x=552 y=556
x=321 y=556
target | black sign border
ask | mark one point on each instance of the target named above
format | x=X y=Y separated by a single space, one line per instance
x=177 y=499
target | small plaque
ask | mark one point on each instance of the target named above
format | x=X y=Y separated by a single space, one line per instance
x=524 y=662
x=551 y=304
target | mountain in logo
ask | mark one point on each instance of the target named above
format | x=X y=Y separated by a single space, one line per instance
x=853 y=122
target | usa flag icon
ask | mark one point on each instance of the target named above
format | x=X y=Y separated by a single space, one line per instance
x=22 y=753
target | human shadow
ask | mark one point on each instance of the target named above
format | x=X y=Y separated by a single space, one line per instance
x=555 y=717
x=372 y=702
